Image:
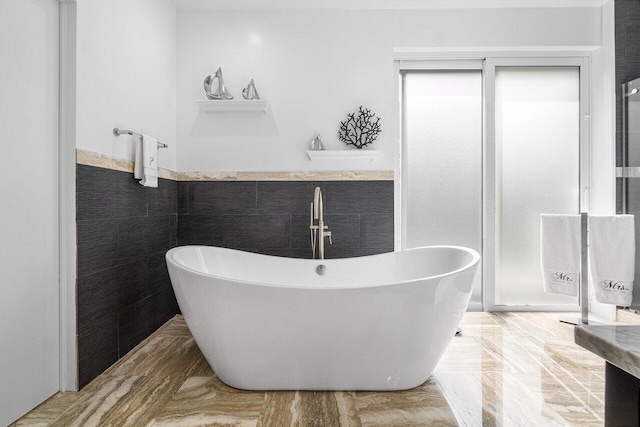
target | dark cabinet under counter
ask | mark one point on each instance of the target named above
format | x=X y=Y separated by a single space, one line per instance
x=620 y=347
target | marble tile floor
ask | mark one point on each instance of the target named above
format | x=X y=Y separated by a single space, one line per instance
x=507 y=369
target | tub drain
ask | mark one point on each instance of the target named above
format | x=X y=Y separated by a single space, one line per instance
x=321 y=269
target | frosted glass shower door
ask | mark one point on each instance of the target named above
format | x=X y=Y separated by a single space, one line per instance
x=537 y=170
x=442 y=160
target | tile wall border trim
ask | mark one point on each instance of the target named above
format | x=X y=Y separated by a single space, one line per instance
x=84 y=157
x=103 y=161
x=628 y=172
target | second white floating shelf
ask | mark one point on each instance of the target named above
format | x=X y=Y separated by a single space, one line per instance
x=336 y=157
x=233 y=105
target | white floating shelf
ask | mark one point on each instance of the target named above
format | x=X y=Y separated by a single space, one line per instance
x=333 y=158
x=233 y=105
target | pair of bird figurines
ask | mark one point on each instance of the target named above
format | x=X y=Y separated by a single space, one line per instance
x=221 y=92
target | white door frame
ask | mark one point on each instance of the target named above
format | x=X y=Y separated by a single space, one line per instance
x=416 y=58
x=67 y=196
x=489 y=212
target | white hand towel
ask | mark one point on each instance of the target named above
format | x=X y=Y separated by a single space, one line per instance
x=149 y=161
x=612 y=253
x=560 y=253
x=137 y=163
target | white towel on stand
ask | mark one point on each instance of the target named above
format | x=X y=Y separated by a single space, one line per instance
x=560 y=253
x=612 y=253
x=149 y=161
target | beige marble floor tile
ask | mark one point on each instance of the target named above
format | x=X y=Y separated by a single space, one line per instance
x=537 y=327
x=159 y=355
x=95 y=404
x=502 y=399
x=579 y=371
x=126 y=400
x=476 y=359
x=589 y=389
x=202 y=369
x=514 y=357
x=507 y=369
x=207 y=401
x=464 y=393
x=556 y=373
x=491 y=351
x=477 y=319
x=573 y=358
x=137 y=387
x=571 y=405
x=563 y=353
x=421 y=406
x=49 y=410
x=176 y=327
x=309 y=409
x=277 y=410
x=563 y=358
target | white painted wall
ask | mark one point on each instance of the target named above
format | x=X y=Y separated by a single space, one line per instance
x=603 y=119
x=126 y=75
x=315 y=66
x=29 y=350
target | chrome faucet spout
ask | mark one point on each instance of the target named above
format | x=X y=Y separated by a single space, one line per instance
x=319 y=231
x=317 y=205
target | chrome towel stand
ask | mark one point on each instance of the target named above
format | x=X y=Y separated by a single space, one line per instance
x=583 y=282
x=584 y=273
x=118 y=132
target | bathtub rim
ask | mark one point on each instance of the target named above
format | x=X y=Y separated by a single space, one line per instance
x=474 y=260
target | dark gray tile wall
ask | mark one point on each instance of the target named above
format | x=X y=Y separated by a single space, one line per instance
x=627 y=16
x=272 y=217
x=124 y=230
x=124 y=291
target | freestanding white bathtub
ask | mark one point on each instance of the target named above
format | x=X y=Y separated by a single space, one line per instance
x=378 y=322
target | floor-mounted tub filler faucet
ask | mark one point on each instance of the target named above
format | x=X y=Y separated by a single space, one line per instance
x=319 y=230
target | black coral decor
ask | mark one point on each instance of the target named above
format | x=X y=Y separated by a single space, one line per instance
x=360 y=128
